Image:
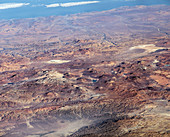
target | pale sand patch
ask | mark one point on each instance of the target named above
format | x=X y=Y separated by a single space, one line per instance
x=28 y=124
x=66 y=128
x=58 y=61
x=70 y=127
x=165 y=114
x=55 y=74
x=148 y=47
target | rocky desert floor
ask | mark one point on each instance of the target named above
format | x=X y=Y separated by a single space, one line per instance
x=99 y=74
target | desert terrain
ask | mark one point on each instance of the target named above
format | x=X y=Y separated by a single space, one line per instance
x=98 y=74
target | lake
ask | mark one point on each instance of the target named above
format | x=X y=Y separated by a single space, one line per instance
x=16 y=9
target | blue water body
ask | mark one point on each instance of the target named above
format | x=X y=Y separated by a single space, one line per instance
x=16 y=9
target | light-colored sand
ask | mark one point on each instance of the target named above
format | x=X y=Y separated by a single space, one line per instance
x=55 y=75
x=70 y=127
x=148 y=48
x=58 y=61
x=64 y=129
